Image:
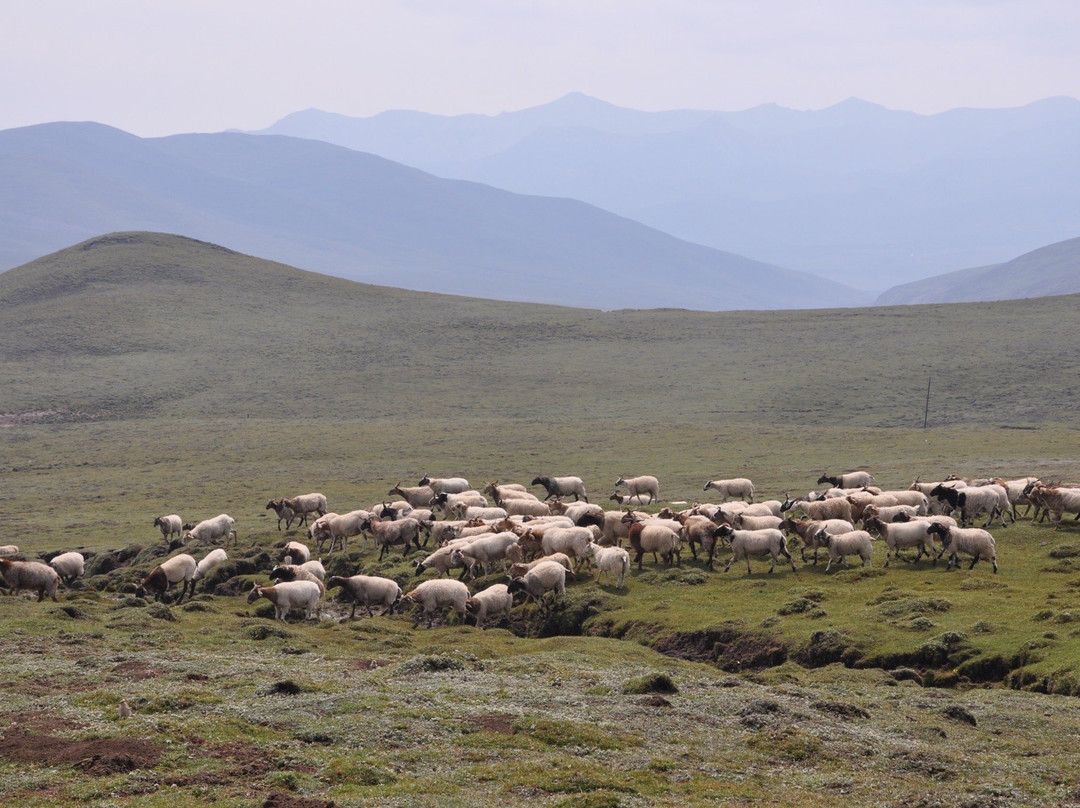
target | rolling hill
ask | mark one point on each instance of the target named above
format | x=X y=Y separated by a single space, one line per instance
x=864 y=195
x=1051 y=270
x=354 y=215
x=146 y=324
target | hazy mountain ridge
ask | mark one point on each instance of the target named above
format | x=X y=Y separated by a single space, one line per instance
x=357 y=215
x=1051 y=270
x=855 y=192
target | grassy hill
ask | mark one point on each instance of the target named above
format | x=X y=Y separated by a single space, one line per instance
x=143 y=374
x=1050 y=270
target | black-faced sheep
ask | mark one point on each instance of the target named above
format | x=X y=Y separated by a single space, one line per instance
x=170 y=525
x=541 y=579
x=178 y=569
x=558 y=487
x=972 y=541
x=850 y=479
x=747 y=543
x=445 y=485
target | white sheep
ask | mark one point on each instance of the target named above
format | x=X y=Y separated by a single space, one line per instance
x=170 y=525
x=440 y=593
x=822 y=509
x=901 y=535
x=611 y=561
x=738 y=488
x=558 y=487
x=297 y=572
x=463 y=511
x=9 y=549
x=807 y=530
x=179 y=568
x=483 y=550
x=841 y=545
x=1016 y=490
x=289 y=595
x=971 y=500
x=338 y=528
x=645 y=484
x=520 y=568
x=747 y=543
x=295 y=552
x=573 y=541
x=745 y=521
x=541 y=579
x=213 y=530
x=580 y=513
x=207 y=563
x=68 y=566
x=445 y=485
x=890 y=513
x=850 y=479
x=32 y=575
x=492 y=601
x=387 y=534
x=1055 y=500
x=972 y=541
x=306 y=504
x=419 y=496
x=525 y=507
x=442 y=561
x=917 y=499
x=448 y=503
x=368 y=589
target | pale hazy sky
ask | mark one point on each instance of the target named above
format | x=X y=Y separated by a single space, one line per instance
x=156 y=67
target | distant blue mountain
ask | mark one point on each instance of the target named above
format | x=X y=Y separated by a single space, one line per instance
x=858 y=193
x=337 y=211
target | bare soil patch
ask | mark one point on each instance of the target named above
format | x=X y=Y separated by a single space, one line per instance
x=100 y=756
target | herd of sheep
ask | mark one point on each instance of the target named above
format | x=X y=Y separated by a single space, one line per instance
x=538 y=543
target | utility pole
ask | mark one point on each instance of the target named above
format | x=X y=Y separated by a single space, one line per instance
x=926 y=412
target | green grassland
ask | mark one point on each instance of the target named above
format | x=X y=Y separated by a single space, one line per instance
x=145 y=374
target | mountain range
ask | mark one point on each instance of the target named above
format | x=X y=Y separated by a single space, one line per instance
x=355 y=215
x=860 y=194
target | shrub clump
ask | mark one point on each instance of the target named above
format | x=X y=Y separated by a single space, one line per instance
x=430 y=663
x=650 y=683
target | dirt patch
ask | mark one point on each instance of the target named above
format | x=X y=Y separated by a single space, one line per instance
x=500 y=723
x=280 y=799
x=37 y=721
x=249 y=761
x=135 y=671
x=368 y=664
x=100 y=756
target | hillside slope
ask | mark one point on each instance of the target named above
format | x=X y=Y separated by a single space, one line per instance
x=858 y=193
x=337 y=211
x=135 y=324
x=1051 y=270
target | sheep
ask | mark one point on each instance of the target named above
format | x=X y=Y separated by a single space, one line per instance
x=306 y=504
x=541 y=579
x=644 y=484
x=418 y=496
x=208 y=562
x=440 y=593
x=768 y=507
x=841 y=545
x=991 y=499
x=916 y=499
x=520 y=568
x=850 y=479
x=525 y=507
x=180 y=568
x=1055 y=500
x=890 y=513
x=614 y=529
x=287 y=596
x=976 y=542
x=32 y=575
x=213 y=530
x=658 y=539
x=283 y=573
x=807 y=530
x=445 y=485
x=697 y=529
x=746 y=543
x=483 y=550
x=284 y=512
x=610 y=561
x=295 y=552
x=171 y=525
x=443 y=561
x=739 y=488
x=502 y=494
x=630 y=499
x=862 y=500
x=385 y=534
x=463 y=511
x=442 y=532
x=494 y=600
x=900 y=535
x=558 y=487
x=68 y=566
x=573 y=541
x=368 y=589
x=338 y=528
x=447 y=503
x=745 y=521
x=580 y=514
x=823 y=509
x=9 y=549
x=1016 y=490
